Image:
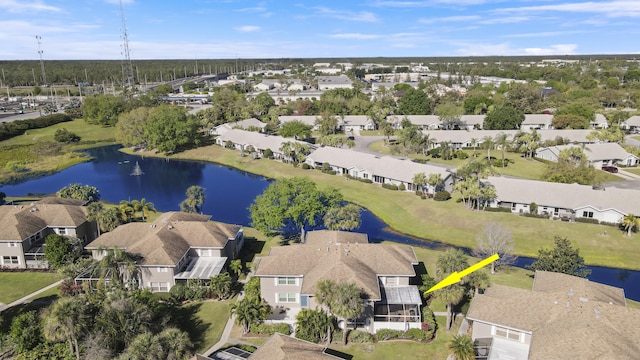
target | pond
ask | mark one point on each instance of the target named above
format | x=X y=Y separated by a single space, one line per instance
x=229 y=192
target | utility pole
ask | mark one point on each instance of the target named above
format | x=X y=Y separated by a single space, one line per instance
x=44 y=78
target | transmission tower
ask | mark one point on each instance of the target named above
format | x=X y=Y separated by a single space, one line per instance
x=44 y=78
x=127 y=67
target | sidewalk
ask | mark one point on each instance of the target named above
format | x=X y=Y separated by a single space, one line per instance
x=3 y=307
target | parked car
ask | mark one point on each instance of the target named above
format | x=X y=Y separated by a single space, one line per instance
x=611 y=169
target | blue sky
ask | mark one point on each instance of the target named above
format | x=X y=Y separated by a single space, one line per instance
x=223 y=29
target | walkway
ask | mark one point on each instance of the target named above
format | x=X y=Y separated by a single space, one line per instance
x=3 y=307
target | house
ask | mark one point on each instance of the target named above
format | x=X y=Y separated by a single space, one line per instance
x=250 y=142
x=632 y=124
x=174 y=248
x=564 y=201
x=334 y=82
x=355 y=123
x=459 y=139
x=246 y=124
x=378 y=169
x=23 y=229
x=562 y=317
x=472 y=122
x=424 y=122
x=384 y=273
x=283 y=347
x=600 y=122
x=536 y=121
x=598 y=155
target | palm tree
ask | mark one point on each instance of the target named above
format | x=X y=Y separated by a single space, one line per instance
x=195 y=199
x=67 y=320
x=462 y=347
x=347 y=304
x=249 y=311
x=220 y=285
x=474 y=143
x=313 y=325
x=126 y=210
x=144 y=207
x=478 y=280
x=629 y=223
x=145 y=346
x=449 y=262
x=502 y=140
x=488 y=142
x=325 y=295
x=445 y=150
x=108 y=219
x=435 y=180
x=420 y=180
x=121 y=267
x=175 y=343
x=236 y=267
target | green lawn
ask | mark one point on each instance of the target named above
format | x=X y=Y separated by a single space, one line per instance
x=15 y=285
x=446 y=221
x=89 y=134
x=633 y=170
x=205 y=321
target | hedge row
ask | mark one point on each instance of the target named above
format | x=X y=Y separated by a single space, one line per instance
x=18 y=127
x=411 y=334
x=270 y=329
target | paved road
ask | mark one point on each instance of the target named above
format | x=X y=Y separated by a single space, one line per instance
x=10 y=116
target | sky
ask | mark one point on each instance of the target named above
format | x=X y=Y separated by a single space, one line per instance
x=228 y=29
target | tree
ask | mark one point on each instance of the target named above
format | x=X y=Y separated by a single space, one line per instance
x=236 y=266
x=293 y=202
x=144 y=207
x=26 y=331
x=67 y=320
x=527 y=143
x=195 y=199
x=261 y=104
x=435 y=181
x=344 y=218
x=496 y=239
x=313 y=325
x=169 y=129
x=295 y=129
x=562 y=258
x=478 y=280
x=343 y=300
x=65 y=136
x=503 y=118
x=175 y=343
x=502 y=140
x=123 y=315
x=630 y=223
x=477 y=104
x=59 y=250
x=108 y=219
x=420 y=180
x=572 y=167
x=126 y=210
x=414 y=102
x=449 y=262
x=102 y=109
x=220 y=286
x=569 y=121
x=327 y=123
x=462 y=347
x=77 y=191
x=249 y=311
x=449 y=114
x=130 y=129
x=524 y=97
x=295 y=151
x=119 y=268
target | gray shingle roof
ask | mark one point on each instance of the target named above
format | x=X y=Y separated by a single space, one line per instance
x=568 y=196
x=257 y=140
x=633 y=121
x=462 y=136
x=21 y=221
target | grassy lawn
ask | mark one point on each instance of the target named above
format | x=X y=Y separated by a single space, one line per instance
x=14 y=285
x=205 y=321
x=446 y=221
x=633 y=171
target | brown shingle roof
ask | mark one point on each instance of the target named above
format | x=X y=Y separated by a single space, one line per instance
x=18 y=222
x=557 y=283
x=166 y=240
x=282 y=347
x=356 y=262
x=326 y=237
x=564 y=325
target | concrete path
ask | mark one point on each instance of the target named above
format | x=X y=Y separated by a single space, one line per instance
x=24 y=299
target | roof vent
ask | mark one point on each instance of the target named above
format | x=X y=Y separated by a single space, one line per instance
x=570 y=292
x=584 y=299
x=597 y=313
x=170 y=227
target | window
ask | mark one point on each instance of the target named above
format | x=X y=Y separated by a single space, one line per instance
x=287 y=281
x=13 y=244
x=555 y=211
x=508 y=334
x=513 y=206
x=390 y=281
x=587 y=214
x=62 y=231
x=159 y=286
x=163 y=269
x=10 y=260
x=286 y=297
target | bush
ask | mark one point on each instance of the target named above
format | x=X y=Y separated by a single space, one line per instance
x=390 y=186
x=459 y=154
x=178 y=292
x=18 y=127
x=533 y=207
x=498 y=209
x=359 y=337
x=306 y=166
x=65 y=136
x=419 y=193
x=534 y=215
x=69 y=288
x=442 y=196
x=268 y=154
x=270 y=329
x=402 y=187
x=388 y=334
x=587 y=220
x=416 y=334
x=429 y=325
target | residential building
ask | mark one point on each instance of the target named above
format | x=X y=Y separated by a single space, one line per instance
x=537 y=121
x=459 y=139
x=352 y=124
x=632 y=124
x=334 y=82
x=378 y=169
x=562 y=317
x=174 y=248
x=424 y=122
x=23 y=229
x=598 y=155
x=246 y=124
x=253 y=142
x=564 y=201
x=600 y=122
x=289 y=276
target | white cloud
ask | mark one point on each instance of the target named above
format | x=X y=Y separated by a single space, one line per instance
x=429 y=3
x=449 y=19
x=14 y=6
x=355 y=36
x=616 y=8
x=506 y=20
x=362 y=16
x=546 y=34
x=248 y=28
x=505 y=49
x=559 y=49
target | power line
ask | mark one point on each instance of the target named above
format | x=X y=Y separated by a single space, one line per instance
x=127 y=67
x=44 y=78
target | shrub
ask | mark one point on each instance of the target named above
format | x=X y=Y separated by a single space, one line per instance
x=326 y=167
x=69 y=288
x=178 y=292
x=412 y=334
x=388 y=334
x=419 y=193
x=587 y=220
x=429 y=325
x=359 y=337
x=459 y=154
x=402 y=187
x=65 y=136
x=498 y=209
x=306 y=166
x=416 y=334
x=534 y=215
x=270 y=329
x=442 y=196
x=423 y=197
x=533 y=207
x=268 y=154
x=331 y=172
x=18 y=127
x=390 y=186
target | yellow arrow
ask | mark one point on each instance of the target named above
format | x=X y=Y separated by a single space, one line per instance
x=457 y=276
